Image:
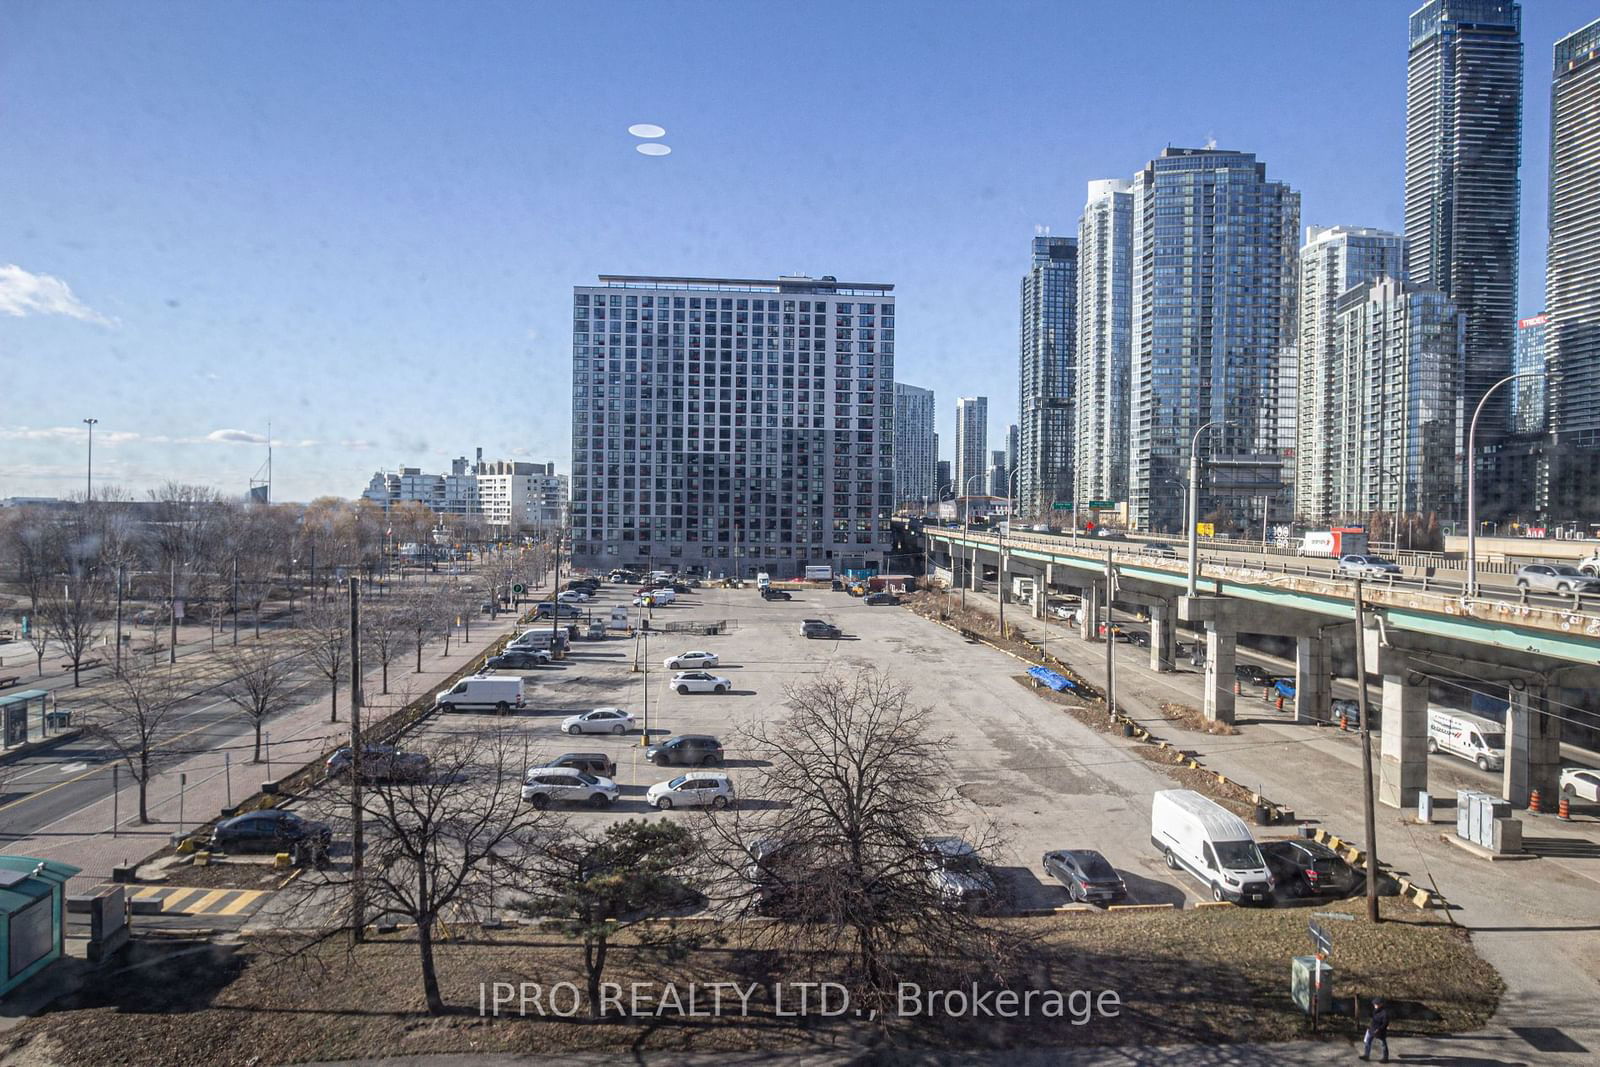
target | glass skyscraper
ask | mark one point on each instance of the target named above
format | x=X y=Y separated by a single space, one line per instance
x=1463 y=151
x=1334 y=260
x=1572 y=276
x=1528 y=394
x=1214 y=254
x=1105 y=342
x=915 y=444
x=1045 y=380
x=971 y=470
x=732 y=425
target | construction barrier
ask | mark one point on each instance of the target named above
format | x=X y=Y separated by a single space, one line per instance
x=1533 y=802
x=1564 y=809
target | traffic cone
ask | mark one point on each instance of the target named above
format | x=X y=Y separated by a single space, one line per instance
x=1564 y=809
x=1533 y=802
x=1238 y=688
x=1280 y=702
x=1344 y=721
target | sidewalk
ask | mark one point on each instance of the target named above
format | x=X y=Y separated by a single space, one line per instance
x=85 y=838
x=1536 y=921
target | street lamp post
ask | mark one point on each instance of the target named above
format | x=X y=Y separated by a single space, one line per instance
x=1194 y=506
x=1472 y=480
x=972 y=578
x=1000 y=567
x=88 y=490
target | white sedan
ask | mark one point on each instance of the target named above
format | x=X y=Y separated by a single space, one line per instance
x=700 y=682
x=687 y=660
x=1581 y=783
x=599 y=721
x=573 y=596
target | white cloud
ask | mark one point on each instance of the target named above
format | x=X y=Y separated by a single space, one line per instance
x=236 y=437
x=24 y=293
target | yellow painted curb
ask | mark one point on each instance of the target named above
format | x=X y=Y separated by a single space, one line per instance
x=1141 y=907
x=1214 y=904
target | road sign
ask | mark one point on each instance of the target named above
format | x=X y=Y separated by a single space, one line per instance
x=1205 y=529
x=1062 y=505
x=1321 y=938
x=519 y=588
x=1102 y=503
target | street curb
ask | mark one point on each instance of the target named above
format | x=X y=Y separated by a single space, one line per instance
x=13 y=754
x=1410 y=891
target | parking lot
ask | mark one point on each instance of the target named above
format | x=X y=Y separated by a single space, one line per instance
x=1023 y=767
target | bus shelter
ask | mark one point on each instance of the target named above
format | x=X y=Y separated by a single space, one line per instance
x=32 y=917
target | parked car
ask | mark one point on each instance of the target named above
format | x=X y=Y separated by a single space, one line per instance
x=957 y=872
x=815 y=628
x=699 y=682
x=1349 y=709
x=697 y=789
x=1249 y=672
x=561 y=611
x=380 y=763
x=573 y=596
x=1467 y=736
x=596 y=763
x=599 y=721
x=520 y=659
x=770 y=593
x=1580 y=783
x=1555 y=578
x=487 y=691
x=1196 y=834
x=679 y=587
x=1139 y=637
x=686 y=750
x=688 y=660
x=1117 y=632
x=1086 y=874
x=1305 y=868
x=271 y=830
x=1158 y=548
x=875 y=599
x=542 y=786
x=1367 y=566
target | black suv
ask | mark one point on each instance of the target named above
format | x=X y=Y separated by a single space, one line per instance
x=1249 y=672
x=770 y=593
x=874 y=599
x=689 y=750
x=816 y=628
x=597 y=763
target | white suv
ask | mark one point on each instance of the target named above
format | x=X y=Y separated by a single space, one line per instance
x=697 y=789
x=542 y=785
x=700 y=682
x=689 y=660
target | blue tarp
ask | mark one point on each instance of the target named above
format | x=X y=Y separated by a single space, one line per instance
x=1050 y=678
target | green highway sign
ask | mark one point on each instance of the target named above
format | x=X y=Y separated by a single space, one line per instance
x=1102 y=503
x=1062 y=505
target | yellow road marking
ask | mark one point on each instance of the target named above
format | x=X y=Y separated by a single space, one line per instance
x=148 y=891
x=199 y=907
x=170 y=901
x=245 y=899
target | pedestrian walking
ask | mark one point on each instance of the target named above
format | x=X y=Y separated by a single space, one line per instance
x=1377 y=1029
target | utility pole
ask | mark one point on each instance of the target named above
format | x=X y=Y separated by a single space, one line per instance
x=555 y=584
x=358 y=918
x=88 y=489
x=172 y=610
x=1368 y=814
x=236 y=600
x=119 y=618
x=1111 y=662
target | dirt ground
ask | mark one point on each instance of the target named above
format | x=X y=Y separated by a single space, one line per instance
x=1208 y=975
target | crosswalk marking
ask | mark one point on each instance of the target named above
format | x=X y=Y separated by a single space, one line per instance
x=185 y=900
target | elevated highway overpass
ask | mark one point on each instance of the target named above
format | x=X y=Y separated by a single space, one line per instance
x=1416 y=629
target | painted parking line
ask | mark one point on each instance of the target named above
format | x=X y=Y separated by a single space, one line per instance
x=180 y=900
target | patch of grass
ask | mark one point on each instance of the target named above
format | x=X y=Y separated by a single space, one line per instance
x=1214 y=975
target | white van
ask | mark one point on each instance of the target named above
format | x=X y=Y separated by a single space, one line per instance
x=498 y=692
x=763 y=579
x=1211 y=843
x=1479 y=740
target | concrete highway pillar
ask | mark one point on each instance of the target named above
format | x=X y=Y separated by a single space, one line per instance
x=1041 y=593
x=1403 y=755
x=1089 y=613
x=1533 y=749
x=1313 y=663
x=1163 y=635
x=1221 y=633
x=1220 y=640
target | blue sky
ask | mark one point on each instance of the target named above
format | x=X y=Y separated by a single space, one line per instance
x=362 y=220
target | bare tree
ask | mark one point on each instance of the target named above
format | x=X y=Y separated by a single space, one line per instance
x=324 y=636
x=39 y=639
x=438 y=846
x=856 y=783
x=75 y=617
x=260 y=684
x=385 y=630
x=136 y=717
